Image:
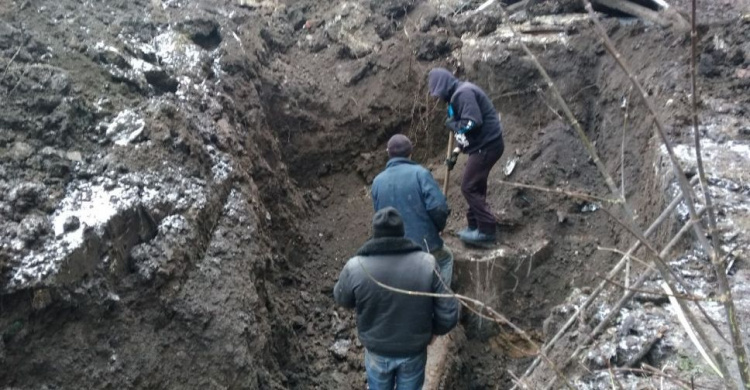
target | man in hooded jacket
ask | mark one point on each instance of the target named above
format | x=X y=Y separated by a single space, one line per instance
x=394 y=327
x=478 y=132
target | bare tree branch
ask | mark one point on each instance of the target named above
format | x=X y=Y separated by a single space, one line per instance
x=626 y=105
x=10 y=62
x=572 y=194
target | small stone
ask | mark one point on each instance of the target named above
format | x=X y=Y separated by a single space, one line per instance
x=590 y=207
x=21 y=151
x=74 y=156
x=27 y=195
x=162 y=81
x=125 y=128
x=353 y=72
x=71 y=223
x=742 y=73
x=340 y=348
x=109 y=184
x=510 y=166
x=42 y=299
x=32 y=228
x=340 y=328
x=298 y=322
x=540 y=251
x=204 y=32
x=305 y=296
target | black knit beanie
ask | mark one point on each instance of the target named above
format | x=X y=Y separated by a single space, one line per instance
x=399 y=146
x=387 y=223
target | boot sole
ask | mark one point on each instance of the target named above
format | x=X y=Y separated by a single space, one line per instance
x=482 y=245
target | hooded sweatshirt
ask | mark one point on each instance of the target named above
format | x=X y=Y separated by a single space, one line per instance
x=471 y=114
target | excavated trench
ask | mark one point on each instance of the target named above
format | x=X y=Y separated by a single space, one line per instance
x=182 y=190
x=548 y=242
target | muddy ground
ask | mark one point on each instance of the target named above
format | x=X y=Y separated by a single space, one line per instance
x=183 y=180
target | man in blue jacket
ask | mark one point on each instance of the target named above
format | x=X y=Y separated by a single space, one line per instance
x=478 y=133
x=410 y=188
x=394 y=327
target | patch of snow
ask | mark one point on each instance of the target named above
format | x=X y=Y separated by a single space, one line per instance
x=125 y=128
x=101 y=46
x=140 y=66
x=221 y=166
x=177 y=51
x=95 y=203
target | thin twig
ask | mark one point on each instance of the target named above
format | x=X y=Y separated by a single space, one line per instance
x=629 y=256
x=10 y=63
x=572 y=194
x=622 y=172
x=518 y=93
x=552 y=110
x=613 y=378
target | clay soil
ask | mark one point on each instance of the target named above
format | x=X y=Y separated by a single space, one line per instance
x=232 y=287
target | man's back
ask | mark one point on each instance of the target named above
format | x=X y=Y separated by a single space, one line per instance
x=395 y=327
x=411 y=189
x=391 y=323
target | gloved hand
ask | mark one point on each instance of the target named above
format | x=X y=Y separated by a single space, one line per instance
x=450 y=162
x=451 y=124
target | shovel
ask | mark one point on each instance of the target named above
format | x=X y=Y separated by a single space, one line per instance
x=448 y=171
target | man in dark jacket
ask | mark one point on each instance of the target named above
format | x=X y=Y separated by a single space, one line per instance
x=411 y=189
x=394 y=327
x=478 y=133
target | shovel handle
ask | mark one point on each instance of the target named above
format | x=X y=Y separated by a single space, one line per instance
x=448 y=171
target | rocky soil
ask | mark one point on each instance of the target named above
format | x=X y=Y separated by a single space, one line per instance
x=182 y=181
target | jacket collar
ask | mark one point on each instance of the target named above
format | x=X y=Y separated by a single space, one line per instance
x=398 y=161
x=388 y=246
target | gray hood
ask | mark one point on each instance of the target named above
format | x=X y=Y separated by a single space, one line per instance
x=442 y=83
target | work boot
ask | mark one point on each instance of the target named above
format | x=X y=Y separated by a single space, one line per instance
x=476 y=237
x=466 y=230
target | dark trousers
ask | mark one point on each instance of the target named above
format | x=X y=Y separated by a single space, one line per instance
x=474 y=186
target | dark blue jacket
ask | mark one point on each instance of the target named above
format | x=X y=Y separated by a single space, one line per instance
x=411 y=189
x=471 y=114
